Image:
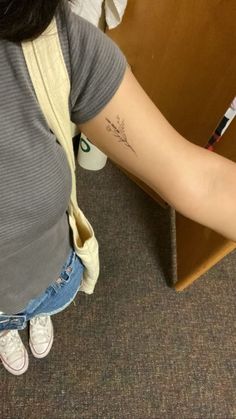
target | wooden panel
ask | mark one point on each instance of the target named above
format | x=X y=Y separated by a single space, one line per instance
x=184 y=55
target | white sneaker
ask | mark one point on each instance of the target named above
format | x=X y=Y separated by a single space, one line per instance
x=13 y=354
x=41 y=336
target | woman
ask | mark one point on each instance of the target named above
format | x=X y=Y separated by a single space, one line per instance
x=40 y=271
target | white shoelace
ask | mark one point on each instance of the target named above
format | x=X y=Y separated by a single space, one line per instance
x=11 y=345
x=39 y=329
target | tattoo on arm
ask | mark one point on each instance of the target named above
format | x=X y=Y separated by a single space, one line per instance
x=118 y=131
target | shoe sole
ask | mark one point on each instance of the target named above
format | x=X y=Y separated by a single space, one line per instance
x=46 y=352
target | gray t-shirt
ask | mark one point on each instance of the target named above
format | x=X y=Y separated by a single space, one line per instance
x=35 y=178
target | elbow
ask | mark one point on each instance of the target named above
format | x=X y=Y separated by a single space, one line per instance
x=188 y=196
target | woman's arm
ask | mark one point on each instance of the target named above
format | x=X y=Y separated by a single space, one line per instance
x=197 y=183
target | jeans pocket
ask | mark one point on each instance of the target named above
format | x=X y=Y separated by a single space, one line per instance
x=63 y=291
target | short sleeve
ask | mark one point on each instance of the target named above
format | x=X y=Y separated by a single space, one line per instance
x=97 y=68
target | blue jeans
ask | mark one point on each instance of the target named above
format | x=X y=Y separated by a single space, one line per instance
x=53 y=300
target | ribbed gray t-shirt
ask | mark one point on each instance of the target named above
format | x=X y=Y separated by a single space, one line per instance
x=35 y=178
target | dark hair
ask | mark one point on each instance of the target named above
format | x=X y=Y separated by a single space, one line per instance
x=22 y=20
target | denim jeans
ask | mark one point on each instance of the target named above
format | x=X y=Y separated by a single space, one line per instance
x=53 y=300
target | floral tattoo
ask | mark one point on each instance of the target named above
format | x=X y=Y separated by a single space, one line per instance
x=118 y=131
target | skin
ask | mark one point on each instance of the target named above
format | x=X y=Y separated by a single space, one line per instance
x=132 y=132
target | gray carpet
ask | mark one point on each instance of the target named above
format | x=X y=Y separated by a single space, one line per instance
x=135 y=348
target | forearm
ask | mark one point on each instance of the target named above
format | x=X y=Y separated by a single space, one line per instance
x=205 y=191
x=218 y=211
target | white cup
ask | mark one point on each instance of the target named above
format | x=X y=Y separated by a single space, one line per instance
x=89 y=156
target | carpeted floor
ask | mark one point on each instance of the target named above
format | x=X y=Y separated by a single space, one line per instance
x=135 y=348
